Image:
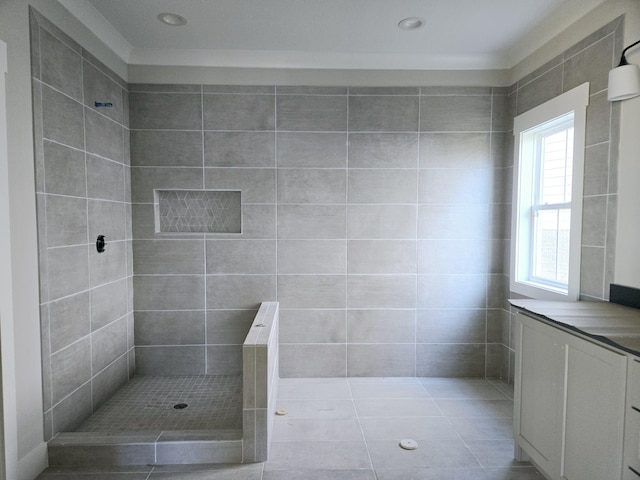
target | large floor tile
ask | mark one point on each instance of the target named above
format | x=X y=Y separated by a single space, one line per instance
x=430 y=453
x=453 y=473
x=327 y=408
x=388 y=390
x=493 y=453
x=475 y=407
x=512 y=473
x=361 y=474
x=316 y=430
x=479 y=428
x=395 y=407
x=314 y=388
x=416 y=428
x=452 y=381
x=383 y=380
x=465 y=391
x=318 y=456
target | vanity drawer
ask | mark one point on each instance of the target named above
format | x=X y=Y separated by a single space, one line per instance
x=632 y=445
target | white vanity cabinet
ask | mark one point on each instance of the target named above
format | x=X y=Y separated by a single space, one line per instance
x=569 y=402
x=538 y=393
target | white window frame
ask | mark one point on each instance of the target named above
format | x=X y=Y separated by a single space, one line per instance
x=576 y=101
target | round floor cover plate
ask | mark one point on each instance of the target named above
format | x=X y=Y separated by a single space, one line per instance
x=281 y=412
x=408 y=444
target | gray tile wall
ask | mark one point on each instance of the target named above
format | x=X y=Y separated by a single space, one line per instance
x=588 y=61
x=197 y=294
x=375 y=216
x=83 y=189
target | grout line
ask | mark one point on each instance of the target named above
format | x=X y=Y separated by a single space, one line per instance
x=346 y=247
x=488 y=249
x=364 y=438
x=47 y=364
x=417 y=240
x=205 y=238
x=91 y=334
x=276 y=174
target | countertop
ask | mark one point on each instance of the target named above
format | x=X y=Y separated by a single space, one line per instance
x=605 y=322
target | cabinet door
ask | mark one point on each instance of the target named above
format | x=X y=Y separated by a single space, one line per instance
x=631 y=457
x=594 y=403
x=538 y=399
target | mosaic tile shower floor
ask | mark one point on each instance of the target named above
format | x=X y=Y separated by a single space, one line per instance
x=147 y=404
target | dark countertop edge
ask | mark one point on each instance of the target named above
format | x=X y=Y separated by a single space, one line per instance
x=567 y=326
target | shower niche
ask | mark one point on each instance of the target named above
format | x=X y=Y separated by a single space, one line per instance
x=198 y=211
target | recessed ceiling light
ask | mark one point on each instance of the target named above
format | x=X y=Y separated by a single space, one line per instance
x=411 y=23
x=172 y=19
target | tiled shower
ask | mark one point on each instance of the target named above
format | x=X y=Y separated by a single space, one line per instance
x=378 y=218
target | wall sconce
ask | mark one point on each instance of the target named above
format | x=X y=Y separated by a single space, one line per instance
x=624 y=80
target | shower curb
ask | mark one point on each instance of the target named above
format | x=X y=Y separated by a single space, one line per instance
x=164 y=448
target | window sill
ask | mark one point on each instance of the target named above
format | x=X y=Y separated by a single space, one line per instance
x=541 y=292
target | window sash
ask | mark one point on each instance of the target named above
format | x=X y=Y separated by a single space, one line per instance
x=548 y=254
x=559 y=256
x=540 y=159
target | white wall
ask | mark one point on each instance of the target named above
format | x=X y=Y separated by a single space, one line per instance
x=303 y=76
x=628 y=240
x=6 y=301
x=19 y=298
x=25 y=435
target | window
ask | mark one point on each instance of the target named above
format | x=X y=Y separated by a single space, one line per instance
x=547 y=202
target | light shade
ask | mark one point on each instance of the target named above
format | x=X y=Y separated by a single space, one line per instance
x=411 y=23
x=172 y=19
x=624 y=82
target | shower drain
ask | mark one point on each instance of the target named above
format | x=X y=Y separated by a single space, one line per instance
x=180 y=406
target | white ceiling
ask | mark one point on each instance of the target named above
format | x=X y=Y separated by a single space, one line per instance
x=458 y=34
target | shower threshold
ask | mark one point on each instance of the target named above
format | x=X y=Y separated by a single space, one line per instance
x=141 y=425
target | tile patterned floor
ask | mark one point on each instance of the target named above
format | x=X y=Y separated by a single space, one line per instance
x=147 y=404
x=349 y=429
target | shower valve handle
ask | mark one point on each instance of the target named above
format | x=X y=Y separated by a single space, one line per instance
x=100 y=244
